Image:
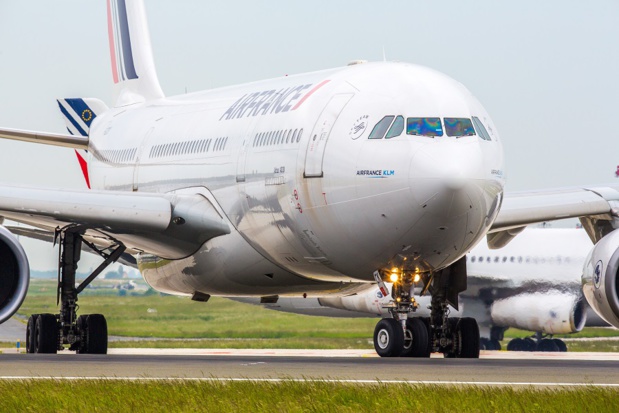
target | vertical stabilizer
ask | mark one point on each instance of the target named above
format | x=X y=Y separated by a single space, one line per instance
x=133 y=67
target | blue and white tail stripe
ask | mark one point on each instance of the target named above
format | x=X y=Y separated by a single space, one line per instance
x=123 y=67
x=80 y=113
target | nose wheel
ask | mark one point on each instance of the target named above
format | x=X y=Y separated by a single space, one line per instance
x=388 y=338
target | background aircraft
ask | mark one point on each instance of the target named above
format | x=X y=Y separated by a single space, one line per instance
x=317 y=183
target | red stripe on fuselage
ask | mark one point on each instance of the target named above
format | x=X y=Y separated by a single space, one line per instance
x=110 y=32
x=84 y=167
x=304 y=98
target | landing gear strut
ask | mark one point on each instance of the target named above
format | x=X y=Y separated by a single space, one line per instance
x=418 y=337
x=86 y=334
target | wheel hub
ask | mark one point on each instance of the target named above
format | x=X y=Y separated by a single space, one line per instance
x=383 y=339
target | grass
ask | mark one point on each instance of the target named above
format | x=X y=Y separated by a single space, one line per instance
x=178 y=317
x=222 y=323
x=314 y=396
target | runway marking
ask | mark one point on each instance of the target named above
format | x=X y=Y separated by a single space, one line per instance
x=341 y=381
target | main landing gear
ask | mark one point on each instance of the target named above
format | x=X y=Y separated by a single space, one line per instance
x=401 y=336
x=538 y=342
x=86 y=334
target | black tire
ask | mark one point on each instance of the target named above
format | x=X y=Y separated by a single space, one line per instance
x=560 y=345
x=515 y=344
x=31 y=333
x=483 y=343
x=81 y=329
x=487 y=344
x=46 y=331
x=96 y=334
x=388 y=338
x=547 y=345
x=426 y=322
x=469 y=336
x=416 y=339
x=528 y=344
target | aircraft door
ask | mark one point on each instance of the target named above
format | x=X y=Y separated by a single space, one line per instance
x=240 y=166
x=320 y=134
x=139 y=156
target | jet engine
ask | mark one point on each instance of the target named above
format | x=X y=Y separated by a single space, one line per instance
x=549 y=312
x=14 y=274
x=600 y=278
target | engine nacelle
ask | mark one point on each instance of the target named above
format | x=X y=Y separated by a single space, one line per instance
x=600 y=278
x=14 y=274
x=549 y=312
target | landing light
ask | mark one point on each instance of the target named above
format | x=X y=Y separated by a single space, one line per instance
x=394 y=277
x=416 y=278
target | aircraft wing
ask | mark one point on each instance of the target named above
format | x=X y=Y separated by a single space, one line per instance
x=170 y=225
x=594 y=206
x=55 y=139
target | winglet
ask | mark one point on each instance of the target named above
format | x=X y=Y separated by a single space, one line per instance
x=78 y=114
x=133 y=66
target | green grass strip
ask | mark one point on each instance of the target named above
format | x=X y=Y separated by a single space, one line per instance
x=289 y=396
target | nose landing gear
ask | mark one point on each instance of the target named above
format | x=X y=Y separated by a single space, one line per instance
x=401 y=336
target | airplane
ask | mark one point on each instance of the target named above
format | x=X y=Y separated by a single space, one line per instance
x=315 y=184
x=533 y=283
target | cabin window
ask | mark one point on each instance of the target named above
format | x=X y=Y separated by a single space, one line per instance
x=429 y=127
x=481 y=130
x=459 y=127
x=381 y=127
x=299 y=136
x=397 y=128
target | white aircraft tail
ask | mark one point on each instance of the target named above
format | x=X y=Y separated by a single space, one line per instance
x=133 y=66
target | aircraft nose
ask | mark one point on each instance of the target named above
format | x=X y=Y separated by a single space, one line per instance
x=456 y=195
x=447 y=163
x=447 y=175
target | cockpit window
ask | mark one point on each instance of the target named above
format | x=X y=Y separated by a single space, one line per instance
x=481 y=130
x=396 y=129
x=459 y=127
x=381 y=127
x=424 y=127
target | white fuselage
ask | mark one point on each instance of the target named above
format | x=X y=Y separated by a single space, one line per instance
x=313 y=204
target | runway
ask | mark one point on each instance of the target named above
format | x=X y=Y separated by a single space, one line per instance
x=522 y=369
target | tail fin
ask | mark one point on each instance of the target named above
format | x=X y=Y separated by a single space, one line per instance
x=133 y=67
x=78 y=116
